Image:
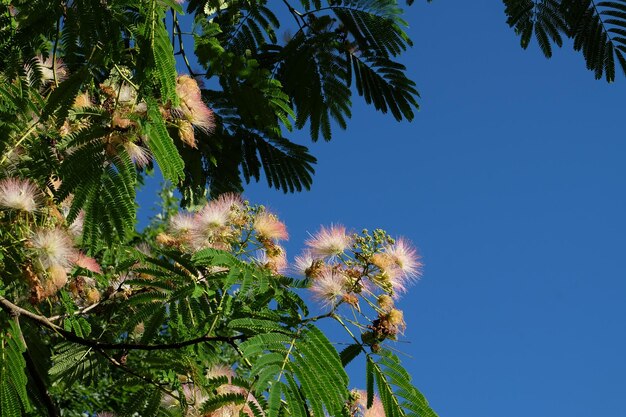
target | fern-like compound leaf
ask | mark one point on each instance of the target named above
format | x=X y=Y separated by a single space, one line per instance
x=13 y=380
x=162 y=145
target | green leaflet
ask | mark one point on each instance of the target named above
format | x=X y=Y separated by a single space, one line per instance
x=375 y=24
x=383 y=83
x=350 y=353
x=215 y=257
x=307 y=361
x=162 y=145
x=398 y=395
x=13 y=380
x=62 y=98
x=274 y=399
x=287 y=166
x=221 y=400
x=97 y=183
x=145 y=402
x=256 y=325
x=161 y=52
x=369 y=381
x=315 y=76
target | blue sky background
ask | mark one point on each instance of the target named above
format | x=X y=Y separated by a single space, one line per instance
x=511 y=181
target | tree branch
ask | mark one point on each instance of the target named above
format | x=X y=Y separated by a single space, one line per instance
x=15 y=310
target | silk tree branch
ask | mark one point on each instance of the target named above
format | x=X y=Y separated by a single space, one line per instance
x=43 y=321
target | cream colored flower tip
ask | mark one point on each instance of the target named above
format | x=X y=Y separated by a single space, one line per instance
x=303 y=264
x=329 y=288
x=268 y=226
x=19 y=194
x=329 y=242
x=138 y=154
x=194 y=109
x=53 y=247
x=180 y=224
x=404 y=257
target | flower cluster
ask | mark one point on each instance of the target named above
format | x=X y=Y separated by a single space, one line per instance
x=194 y=112
x=117 y=98
x=353 y=269
x=231 y=224
x=50 y=248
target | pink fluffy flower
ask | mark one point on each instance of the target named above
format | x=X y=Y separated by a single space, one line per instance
x=400 y=264
x=329 y=242
x=83 y=261
x=138 y=154
x=303 y=263
x=376 y=410
x=211 y=217
x=277 y=263
x=76 y=228
x=329 y=287
x=181 y=224
x=268 y=226
x=229 y=202
x=19 y=194
x=49 y=69
x=53 y=247
x=212 y=223
x=194 y=109
x=405 y=258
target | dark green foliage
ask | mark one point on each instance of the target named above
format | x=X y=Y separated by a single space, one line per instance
x=92 y=100
x=334 y=43
x=598 y=29
x=162 y=145
x=13 y=395
x=104 y=187
x=155 y=42
x=266 y=85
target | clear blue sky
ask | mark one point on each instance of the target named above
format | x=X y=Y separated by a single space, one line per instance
x=511 y=180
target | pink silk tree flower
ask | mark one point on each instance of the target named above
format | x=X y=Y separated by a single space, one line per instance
x=329 y=288
x=405 y=258
x=83 y=261
x=329 y=242
x=19 y=194
x=193 y=107
x=376 y=410
x=268 y=226
x=53 y=247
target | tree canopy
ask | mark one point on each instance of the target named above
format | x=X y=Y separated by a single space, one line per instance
x=194 y=315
